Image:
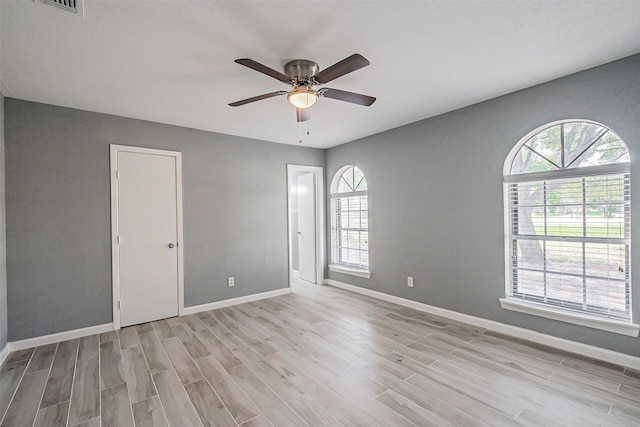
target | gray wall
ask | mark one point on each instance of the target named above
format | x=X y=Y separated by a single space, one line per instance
x=3 y=252
x=58 y=213
x=436 y=199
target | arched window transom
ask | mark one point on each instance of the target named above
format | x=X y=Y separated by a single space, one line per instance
x=569 y=145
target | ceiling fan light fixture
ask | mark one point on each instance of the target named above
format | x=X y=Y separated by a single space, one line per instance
x=302 y=97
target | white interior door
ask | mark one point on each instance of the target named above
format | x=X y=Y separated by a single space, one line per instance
x=147 y=236
x=307 y=227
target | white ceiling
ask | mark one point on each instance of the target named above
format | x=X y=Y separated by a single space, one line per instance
x=172 y=61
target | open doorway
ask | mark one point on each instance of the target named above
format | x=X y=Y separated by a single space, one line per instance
x=306 y=223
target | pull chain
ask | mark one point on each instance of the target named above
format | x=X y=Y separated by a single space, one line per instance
x=300 y=131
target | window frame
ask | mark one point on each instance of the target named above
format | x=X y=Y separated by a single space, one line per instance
x=542 y=309
x=335 y=265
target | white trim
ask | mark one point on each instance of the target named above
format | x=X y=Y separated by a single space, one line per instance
x=115 y=264
x=614 y=168
x=235 y=301
x=4 y=354
x=359 y=193
x=541 y=310
x=593 y=352
x=318 y=172
x=60 y=336
x=350 y=271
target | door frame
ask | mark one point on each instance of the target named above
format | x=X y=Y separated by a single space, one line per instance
x=318 y=172
x=115 y=261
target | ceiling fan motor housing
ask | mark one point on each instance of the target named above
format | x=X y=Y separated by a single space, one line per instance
x=300 y=71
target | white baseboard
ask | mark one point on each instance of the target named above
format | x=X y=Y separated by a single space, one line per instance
x=514 y=331
x=60 y=336
x=235 y=301
x=4 y=353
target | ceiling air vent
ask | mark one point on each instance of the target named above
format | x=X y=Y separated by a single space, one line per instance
x=68 y=5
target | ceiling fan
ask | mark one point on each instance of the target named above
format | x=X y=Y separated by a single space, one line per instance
x=303 y=74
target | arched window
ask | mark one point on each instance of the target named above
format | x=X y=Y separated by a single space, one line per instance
x=349 y=222
x=567 y=223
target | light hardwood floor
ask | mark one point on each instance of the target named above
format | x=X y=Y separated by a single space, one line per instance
x=320 y=356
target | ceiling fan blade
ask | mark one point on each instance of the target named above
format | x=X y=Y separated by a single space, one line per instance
x=302 y=114
x=343 y=95
x=257 y=98
x=339 y=69
x=264 y=69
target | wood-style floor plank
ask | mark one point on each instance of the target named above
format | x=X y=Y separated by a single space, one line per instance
x=42 y=357
x=235 y=399
x=210 y=408
x=108 y=336
x=111 y=366
x=181 y=360
x=20 y=356
x=25 y=403
x=60 y=380
x=411 y=411
x=143 y=328
x=93 y=422
x=128 y=337
x=89 y=347
x=10 y=376
x=630 y=392
x=190 y=341
x=259 y=421
x=317 y=356
x=177 y=405
x=162 y=329
x=115 y=407
x=149 y=413
x=53 y=416
x=85 y=399
x=154 y=353
x=216 y=348
x=312 y=413
x=194 y=322
x=270 y=404
x=137 y=375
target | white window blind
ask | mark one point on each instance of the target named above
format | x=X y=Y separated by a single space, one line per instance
x=570 y=242
x=350 y=232
x=568 y=221
x=350 y=219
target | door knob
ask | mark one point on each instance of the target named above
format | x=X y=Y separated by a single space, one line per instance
x=171 y=246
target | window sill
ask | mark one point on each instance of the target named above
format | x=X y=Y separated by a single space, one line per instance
x=618 y=327
x=350 y=271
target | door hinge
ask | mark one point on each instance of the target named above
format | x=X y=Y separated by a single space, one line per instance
x=117 y=174
x=119 y=305
x=118 y=239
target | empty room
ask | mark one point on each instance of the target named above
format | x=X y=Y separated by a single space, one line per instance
x=319 y=213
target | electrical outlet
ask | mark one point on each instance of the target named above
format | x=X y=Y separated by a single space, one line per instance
x=230 y=281
x=410 y=282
